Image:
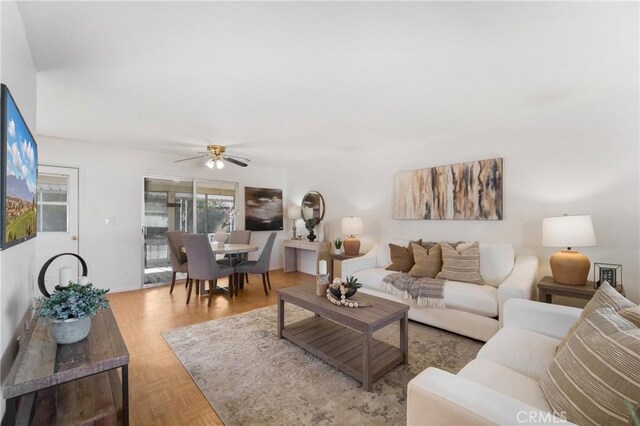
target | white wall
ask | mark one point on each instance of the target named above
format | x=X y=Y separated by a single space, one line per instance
x=111 y=186
x=17 y=266
x=577 y=157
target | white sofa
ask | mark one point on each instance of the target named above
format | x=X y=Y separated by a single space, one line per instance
x=501 y=385
x=472 y=310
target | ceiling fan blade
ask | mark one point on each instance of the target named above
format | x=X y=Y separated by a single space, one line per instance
x=192 y=158
x=237 y=157
x=234 y=161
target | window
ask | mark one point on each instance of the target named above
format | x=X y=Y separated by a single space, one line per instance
x=53 y=205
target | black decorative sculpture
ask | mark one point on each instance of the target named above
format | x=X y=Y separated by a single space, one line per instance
x=43 y=271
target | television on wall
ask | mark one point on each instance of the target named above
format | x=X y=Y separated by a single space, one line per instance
x=18 y=176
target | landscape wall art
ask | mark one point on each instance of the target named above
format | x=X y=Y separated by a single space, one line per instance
x=463 y=191
x=19 y=175
x=263 y=209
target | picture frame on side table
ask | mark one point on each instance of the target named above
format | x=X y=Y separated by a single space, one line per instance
x=610 y=272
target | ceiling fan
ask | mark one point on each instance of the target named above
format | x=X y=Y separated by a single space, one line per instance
x=217 y=157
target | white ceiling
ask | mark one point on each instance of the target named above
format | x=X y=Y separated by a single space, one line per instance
x=288 y=82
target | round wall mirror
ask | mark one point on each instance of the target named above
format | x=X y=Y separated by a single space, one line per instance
x=313 y=200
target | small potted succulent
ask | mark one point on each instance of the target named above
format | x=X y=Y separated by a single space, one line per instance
x=310 y=224
x=348 y=288
x=70 y=310
x=337 y=246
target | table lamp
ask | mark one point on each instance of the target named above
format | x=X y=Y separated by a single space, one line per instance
x=352 y=226
x=294 y=214
x=568 y=266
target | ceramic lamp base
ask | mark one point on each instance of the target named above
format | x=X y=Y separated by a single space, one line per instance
x=351 y=246
x=570 y=267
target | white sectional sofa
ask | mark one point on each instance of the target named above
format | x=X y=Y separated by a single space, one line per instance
x=472 y=310
x=501 y=385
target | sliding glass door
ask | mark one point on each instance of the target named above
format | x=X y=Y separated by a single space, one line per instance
x=170 y=205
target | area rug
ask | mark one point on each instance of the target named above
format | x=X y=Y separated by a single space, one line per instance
x=251 y=377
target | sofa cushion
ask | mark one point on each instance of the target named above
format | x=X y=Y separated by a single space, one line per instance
x=475 y=299
x=595 y=378
x=506 y=381
x=461 y=263
x=428 y=262
x=402 y=258
x=496 y=262
x=372 y=278
x=605 y=296
x=524 y=351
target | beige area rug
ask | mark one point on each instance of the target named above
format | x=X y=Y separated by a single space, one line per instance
x=251 y=377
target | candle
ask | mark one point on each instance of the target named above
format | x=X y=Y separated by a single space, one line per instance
x=64 y=276
x=83 y=280
x=307 y=213
x=322 y=267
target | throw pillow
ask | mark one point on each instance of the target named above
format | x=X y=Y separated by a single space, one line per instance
x=605 y=296
x=632 y=315
x=461 y=263
x=428 y=261
x=595 y=378
x=401 y=257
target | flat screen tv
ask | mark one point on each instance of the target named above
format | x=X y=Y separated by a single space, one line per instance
x=19 y=175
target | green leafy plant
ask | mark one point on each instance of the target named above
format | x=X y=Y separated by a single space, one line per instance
x=311 y=223
x=74 y=301
x=337 y=244
x=352 y=283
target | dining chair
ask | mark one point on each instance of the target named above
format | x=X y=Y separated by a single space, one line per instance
x=203 y=265
x=238 y=236
x=177 y=256
x=260 y=266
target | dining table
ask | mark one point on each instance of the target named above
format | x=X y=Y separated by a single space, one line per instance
x=233 y=250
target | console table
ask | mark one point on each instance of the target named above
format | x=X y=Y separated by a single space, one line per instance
x=70 y=384
x=292 y=248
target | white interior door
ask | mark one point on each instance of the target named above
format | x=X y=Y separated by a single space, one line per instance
x=57 y=199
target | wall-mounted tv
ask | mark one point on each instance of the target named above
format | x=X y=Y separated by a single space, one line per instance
x=19 y=175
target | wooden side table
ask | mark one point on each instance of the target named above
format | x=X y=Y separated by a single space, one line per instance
x=336 y=263
x=547 y=288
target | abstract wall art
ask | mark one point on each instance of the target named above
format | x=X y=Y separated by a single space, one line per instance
x=263 y=209
x=463 y=191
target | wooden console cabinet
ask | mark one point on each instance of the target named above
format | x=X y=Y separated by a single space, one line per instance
x=292 y=248
x=69 y=384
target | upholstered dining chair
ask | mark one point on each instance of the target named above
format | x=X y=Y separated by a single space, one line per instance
x=177 y=256
x=260 y=266
x=203 y=265
x=238 y=236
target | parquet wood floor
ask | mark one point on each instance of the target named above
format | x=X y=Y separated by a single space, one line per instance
x=161 y=392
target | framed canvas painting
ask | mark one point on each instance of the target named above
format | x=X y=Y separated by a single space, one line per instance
x=263 y=209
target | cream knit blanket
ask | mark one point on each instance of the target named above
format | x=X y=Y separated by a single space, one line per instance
x=424 y=292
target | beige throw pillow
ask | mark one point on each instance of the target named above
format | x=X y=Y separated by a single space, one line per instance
x=595 y=378
x=428 y=262
x=605 y=296
x=461 y=263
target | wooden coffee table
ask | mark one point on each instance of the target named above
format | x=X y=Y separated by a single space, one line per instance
x=343 y=336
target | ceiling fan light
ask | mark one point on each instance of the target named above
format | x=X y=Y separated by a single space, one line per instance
x=219 y=164
x=209 y=163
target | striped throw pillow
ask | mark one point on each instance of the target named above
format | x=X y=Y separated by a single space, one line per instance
x=461 y=263
x=595 y=378
x=605 y=296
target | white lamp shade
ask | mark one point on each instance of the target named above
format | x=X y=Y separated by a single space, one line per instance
x=294 y=212
x=352 y=225
x=568 y=231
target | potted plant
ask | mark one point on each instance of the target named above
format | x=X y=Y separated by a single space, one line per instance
x=337 y=245
x=70 y=310
x=310 y=224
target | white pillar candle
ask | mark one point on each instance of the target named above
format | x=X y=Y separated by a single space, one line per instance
x=65 y=275
x=83 y=280
x=322 y=267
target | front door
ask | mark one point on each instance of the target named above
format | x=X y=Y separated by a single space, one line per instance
x=57 y=199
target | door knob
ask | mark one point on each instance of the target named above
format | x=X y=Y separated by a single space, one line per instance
x=74 y=238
